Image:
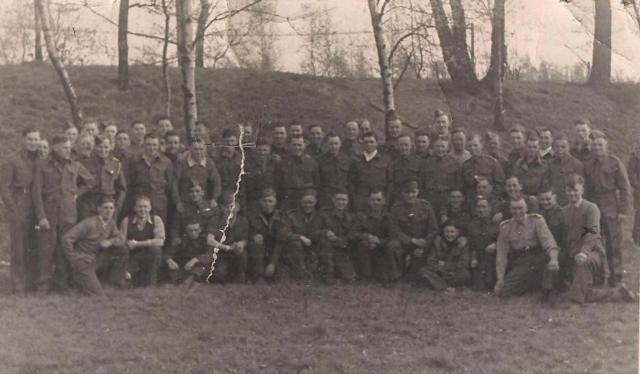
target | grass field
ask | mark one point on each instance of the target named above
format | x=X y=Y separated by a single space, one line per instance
x=291 y=328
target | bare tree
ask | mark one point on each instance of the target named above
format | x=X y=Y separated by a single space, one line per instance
x=123 y=47
x=376 y=10
x=37 y=56
x=205 y=8
x=166 y=82
x=186 y=61
x=497 y=63
x=453 y=41
x=43 y=10
x=601 y=62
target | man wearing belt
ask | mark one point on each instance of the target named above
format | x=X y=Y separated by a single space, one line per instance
x=109 y=180
x=16 y=177
x=608 y=186
x=57 y=183
x=439 y=175
x=95 y=247
x=526 y=252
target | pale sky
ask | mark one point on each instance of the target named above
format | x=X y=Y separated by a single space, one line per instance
x=542 y=29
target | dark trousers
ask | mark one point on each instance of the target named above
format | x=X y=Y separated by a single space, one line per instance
x=333 y=259
x=612 y=231
x=53 y=266
x=525 y=272
x=21 y=229
x=379 y=261
x=484 y=275
x=229 y=264
x=439 y=280
x=292 y=255
x=144 y=263
x=109 y=265
x=582 y=278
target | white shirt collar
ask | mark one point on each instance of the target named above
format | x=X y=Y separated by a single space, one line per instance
x=369 y=156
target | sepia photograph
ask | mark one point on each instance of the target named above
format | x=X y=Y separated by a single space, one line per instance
x=319 y=186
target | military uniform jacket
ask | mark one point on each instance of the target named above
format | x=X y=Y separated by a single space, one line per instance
x=16 y=177
x=439 y=174
x=381 y=226
x=455 y=255
x=202 y=212
x=260 y=174
x=342 y=224
x=485 y=166
x=82 y=241
x=295 y=173
x=516 y=236
x=305 y=225
x=190 y=248
x=237 y=231
x=204 y=172
x=151 y=177
x=482 y=232
x=334 y=172
x=533 y=175
x=582 y=222
x=608 y=185
x=228 y=170
x=414 y=221
x=559 y=170
x=375 y=173
x=405 y=168
x=461 y=217
x=583 y=153
x=60 y=182
x=273 y=229
x=110 y=179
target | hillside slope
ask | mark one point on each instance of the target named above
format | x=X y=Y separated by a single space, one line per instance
x=32 y=95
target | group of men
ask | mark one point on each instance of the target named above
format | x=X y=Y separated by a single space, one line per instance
x=436 y=208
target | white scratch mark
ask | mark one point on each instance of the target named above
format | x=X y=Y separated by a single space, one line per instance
x=233 y=205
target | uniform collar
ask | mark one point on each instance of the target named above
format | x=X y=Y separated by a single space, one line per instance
x=369 y=156
x=149 y=161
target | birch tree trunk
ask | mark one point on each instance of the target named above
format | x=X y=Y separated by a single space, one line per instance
x=601 y=66
x=123 y=47
x=187 y=64
x=383 y=62
x=37 y=56
x=205 y=6
x=497 y=38
x=72 y=98
x=165 y=61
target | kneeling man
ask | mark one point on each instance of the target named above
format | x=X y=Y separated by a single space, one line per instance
x=95 y=249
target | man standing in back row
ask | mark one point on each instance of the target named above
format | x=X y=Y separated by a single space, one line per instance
x=16 y=176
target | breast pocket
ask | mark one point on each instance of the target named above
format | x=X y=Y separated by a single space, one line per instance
x=156 y=174
x=108 y=181
x=608 y=180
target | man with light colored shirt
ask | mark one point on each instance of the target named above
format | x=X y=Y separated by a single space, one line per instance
x=144 y=234
x=371 y=170
x=527 y=248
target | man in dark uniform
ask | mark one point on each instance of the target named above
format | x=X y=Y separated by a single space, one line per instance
x=228 y=162
x=195 y=208
x=151 y=174
x=95 y=250
x=608 y=187
x=305 y=237
x=138 y=136
x=552 y=213
x=339 y=228
x=479 y=165
x=110 y=180
x=390 y=146
x=518 y=137
x=295 y=173
x=191 y=255
x=440 y=174
x=260 y=174
x=268 y=231
x=417 y=227
x=196 y=168
x=546 y=143
x=279 y=141
x=582 y=147
x=334 y=169
x=16 y=177
x=561 y=166
x=378 y=249
x=406 y=166
x=316 y=141
x=513 y=189
x=232 y=248
x=422 y=144
x=173 y=147
x=526 y=253
x=459 y=145
x=483 y=235
x=531 y=170
x=371 y=170
x=57 y=183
